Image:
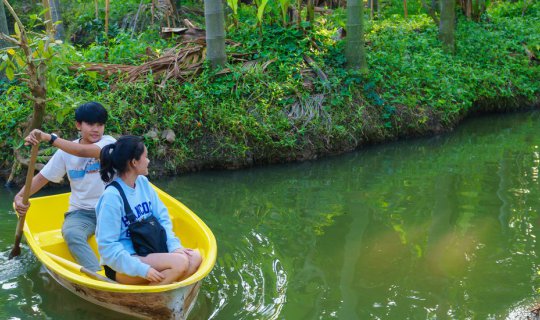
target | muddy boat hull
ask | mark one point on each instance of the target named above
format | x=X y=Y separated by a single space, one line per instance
x=175 y=304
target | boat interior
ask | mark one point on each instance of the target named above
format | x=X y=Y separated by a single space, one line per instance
x=44 y=224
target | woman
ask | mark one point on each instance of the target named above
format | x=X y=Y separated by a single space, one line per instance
x=125 y=163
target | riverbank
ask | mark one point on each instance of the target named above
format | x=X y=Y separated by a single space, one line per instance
x=296 y=101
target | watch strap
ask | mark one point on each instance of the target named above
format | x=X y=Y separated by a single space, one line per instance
x=53 y=138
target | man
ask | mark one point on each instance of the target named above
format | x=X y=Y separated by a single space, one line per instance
x=79 y=159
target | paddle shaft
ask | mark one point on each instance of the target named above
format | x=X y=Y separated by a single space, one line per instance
x=80 y=268
x=27 y=189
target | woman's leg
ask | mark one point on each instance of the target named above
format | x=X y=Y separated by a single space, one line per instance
x=174 y=266
x=125 y=279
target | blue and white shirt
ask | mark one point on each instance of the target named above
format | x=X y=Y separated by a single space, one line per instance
x=114 y=242
x=83 y=174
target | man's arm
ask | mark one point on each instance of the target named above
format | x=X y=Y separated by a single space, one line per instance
x=77 y=149
x=37 y=183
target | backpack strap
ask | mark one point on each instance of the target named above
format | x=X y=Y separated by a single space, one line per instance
x=129 y=213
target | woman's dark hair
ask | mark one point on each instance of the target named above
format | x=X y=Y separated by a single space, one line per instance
x=91 y=112
x=115 y=157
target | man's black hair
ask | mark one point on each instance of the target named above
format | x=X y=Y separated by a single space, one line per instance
x=91 y=112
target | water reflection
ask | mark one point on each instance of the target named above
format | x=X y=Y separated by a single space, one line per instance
x=438 y=228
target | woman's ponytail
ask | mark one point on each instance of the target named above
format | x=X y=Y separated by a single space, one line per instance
x=106 y=170
x=114 y=158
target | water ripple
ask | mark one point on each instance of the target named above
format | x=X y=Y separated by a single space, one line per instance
x=522 y=310
x=10 y=269
x=248 y=282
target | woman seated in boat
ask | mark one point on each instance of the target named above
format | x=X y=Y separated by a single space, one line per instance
x=124 y=164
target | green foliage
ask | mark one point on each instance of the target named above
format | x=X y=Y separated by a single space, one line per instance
x=233 y=4
x=255 y=114
x=261 y=6
x=284 y=6
x=412 y=71
x=14 y=60
x=395 y=7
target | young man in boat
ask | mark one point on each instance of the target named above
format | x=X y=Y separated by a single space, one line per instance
x=79 y=159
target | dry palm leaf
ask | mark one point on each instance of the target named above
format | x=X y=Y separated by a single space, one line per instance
x=181 y=62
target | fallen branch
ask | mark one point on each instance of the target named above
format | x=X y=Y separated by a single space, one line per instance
x=323 y=10
x=529 y=53
x=313 y=65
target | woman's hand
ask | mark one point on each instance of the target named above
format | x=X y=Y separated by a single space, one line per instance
x=154 y=276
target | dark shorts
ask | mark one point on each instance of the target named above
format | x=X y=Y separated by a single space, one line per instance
x=110 y=273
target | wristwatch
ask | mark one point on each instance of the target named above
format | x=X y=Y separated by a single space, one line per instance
x=53 y=138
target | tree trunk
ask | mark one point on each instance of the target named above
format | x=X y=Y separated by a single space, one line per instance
x=355 y=53
x=37 y=76
x=432 y=10
x=56 y=15
x=175 y=8
x=96 y=5
x=48 y=17
x=107 y=6
x=436 y=5
x=4 y=30
x=405 y=11
x=374 y=9
x=299 y=10
x=215 y=32
x=3 y=20
x=447 y=25
x=38 y=87
x=310 y=13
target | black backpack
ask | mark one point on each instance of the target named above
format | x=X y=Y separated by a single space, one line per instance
x=148 y=235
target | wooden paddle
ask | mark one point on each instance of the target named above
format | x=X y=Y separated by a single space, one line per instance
x=27 y=188
x=81 y=269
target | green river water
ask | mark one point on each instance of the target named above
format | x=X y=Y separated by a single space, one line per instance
x=436 y=228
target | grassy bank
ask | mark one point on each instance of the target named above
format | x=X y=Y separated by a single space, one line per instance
x=282 y=109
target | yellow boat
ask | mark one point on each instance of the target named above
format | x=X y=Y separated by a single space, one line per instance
x=42 y=230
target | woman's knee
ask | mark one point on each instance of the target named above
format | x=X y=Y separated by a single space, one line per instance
x=180 y=262
x=195 y=259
